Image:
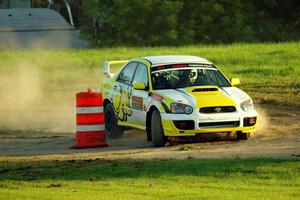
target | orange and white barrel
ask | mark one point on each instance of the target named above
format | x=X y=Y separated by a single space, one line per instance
x=90 y=128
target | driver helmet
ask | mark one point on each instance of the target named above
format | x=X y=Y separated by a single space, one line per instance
x=193 y=75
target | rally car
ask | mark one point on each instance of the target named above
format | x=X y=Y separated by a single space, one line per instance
x=174 y=96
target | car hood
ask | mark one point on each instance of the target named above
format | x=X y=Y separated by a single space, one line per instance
x=205 y=96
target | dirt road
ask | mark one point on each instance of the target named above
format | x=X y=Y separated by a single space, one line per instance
x=278 y=136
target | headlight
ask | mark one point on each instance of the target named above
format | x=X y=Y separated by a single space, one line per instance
x=180 y=108
x=247 y=105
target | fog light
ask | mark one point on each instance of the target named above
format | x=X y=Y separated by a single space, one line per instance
x=249 y=121
x=184 y=124
x=252 y=120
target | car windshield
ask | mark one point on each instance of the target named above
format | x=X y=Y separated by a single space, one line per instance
x=181 y=76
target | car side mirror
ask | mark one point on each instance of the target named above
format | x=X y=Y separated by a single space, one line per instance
x=139 y=86
x=235 y=81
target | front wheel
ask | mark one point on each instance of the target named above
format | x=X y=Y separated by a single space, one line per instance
x=157 y=133
x=113 y=131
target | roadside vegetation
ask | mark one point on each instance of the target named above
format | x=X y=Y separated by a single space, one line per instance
x=255 y=178
x=180 y=22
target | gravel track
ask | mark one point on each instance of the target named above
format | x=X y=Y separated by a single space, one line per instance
x=278 y=136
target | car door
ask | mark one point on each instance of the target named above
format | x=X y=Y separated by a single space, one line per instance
x=122 y=91
x=138 y=97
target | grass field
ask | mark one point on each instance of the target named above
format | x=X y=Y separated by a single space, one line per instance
x=155 y=179
x=38 y=89
x=36 y=85
x=268 y=72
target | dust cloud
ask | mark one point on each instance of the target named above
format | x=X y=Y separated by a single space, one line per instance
x=263 y=122
x=28 y=102
x=25 y=105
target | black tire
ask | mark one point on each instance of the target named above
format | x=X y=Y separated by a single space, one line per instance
x=149 y=136
x=243 y=136
x=113 y=131
x=148 y=127
x=157 y=132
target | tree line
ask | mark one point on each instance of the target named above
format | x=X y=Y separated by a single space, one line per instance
x=177 y=22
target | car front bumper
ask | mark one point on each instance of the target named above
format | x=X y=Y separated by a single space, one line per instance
x=194 y=124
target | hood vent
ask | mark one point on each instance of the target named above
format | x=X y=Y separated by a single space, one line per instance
x=212 y=89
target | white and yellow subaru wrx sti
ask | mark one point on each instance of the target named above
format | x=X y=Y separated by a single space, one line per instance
x=174 y=96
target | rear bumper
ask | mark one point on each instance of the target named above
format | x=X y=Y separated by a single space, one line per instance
x=207 y=123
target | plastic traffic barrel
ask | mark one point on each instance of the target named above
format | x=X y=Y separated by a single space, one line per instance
x=90 y=129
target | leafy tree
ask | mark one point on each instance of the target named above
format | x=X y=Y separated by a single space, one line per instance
x=175 y=22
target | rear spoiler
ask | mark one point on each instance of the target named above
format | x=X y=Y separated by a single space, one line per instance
x=107 y=64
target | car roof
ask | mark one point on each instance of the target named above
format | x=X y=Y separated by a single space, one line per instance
x=169 y=59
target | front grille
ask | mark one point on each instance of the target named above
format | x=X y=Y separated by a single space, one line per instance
x=217 y=109
x=220 y=124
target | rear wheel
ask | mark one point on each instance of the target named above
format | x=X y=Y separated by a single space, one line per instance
x=113 y=131
x=243 y=136
x=157 y=133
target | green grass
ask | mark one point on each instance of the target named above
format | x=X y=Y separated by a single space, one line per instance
x=36 y=85
x=269 y=72
x=151 y=179
x=39 y=83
